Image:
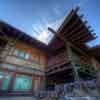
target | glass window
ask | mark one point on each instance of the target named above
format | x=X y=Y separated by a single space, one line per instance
x=22 y=54
x=6 y=82
x=27 y=55
x=1 y=75
x=22 y=83
x=16 y=52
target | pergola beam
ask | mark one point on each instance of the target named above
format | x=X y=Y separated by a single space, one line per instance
x=68 y=18
x=77 y=35
x=75 y=29
x=83 y=38
x=72 y=25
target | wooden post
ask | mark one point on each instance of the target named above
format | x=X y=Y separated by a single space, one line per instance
x=13 y=76
x=68 y=48
x=93 y=61
x=72 y=62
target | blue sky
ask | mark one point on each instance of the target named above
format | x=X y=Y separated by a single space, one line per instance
x=34 y=16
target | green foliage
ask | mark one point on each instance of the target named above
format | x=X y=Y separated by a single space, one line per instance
x=87 y=68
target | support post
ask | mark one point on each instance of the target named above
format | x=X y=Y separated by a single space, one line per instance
x=72 y=62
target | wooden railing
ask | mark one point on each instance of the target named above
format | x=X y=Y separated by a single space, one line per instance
x=58 y=59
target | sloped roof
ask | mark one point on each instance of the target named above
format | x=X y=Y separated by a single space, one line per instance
x=10 y=31
x=73 y=29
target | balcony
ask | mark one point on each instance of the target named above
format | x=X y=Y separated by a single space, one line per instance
x=56 y=69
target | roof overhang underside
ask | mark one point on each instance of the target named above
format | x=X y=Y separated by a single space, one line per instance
x=7 y=30
x=73 y=29
x=95 y=51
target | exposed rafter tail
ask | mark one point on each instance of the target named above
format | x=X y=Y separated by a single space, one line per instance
x=77 y=8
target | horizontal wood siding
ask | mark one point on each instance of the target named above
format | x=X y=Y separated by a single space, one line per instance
x=38 y=56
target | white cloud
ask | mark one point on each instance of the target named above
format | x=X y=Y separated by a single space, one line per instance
x=40 y=33
x=43 y=37
x=40 y=29
x=55 y=25
x=57 y=10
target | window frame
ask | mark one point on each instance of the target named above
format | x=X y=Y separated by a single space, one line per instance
x=24 y=56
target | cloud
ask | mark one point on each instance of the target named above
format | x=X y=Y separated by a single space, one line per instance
x=55 y=25
x=40 y=29
x=35 y=30
x=43 y=37
x=57 y=10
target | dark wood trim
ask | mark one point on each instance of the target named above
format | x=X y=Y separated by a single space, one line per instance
x=81 y=25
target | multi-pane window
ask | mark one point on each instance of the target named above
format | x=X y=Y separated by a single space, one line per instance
x=22 y=83
x=27 y=55
x=22 y=54
x=6 y=82
x=1 y=75
x=5 y=78
x=19 y=84
x=16 y=52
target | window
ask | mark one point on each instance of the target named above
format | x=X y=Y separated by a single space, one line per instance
x=22 y=54
x=22 y=83
x=5 y=81
x=16 y=52
x=1 y=75
x=27 y=55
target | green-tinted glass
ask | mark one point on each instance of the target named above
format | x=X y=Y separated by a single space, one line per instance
x=6 y=82
x=22 y=83
x=1 y=75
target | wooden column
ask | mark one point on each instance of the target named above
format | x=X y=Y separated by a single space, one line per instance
x=75 y=71
x=36 y=83
x=93 y=61
x=42 y=82
x=13 y=77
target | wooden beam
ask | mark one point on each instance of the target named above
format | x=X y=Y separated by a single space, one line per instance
x=66 y=41
x=77 y=35
x=83 y=38
x=71 y=26
x=58 y=35
x=58 y=70
x=74 y=23
x=75 y=29
x=68 y=18
x=79 y=50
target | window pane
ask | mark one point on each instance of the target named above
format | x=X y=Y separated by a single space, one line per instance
x=6 y=82
x=27 y=56
x=22 y=83
x=22 y=54
x=1 y=75
x=16 y=52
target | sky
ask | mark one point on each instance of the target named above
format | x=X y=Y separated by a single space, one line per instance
x=34 y=16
